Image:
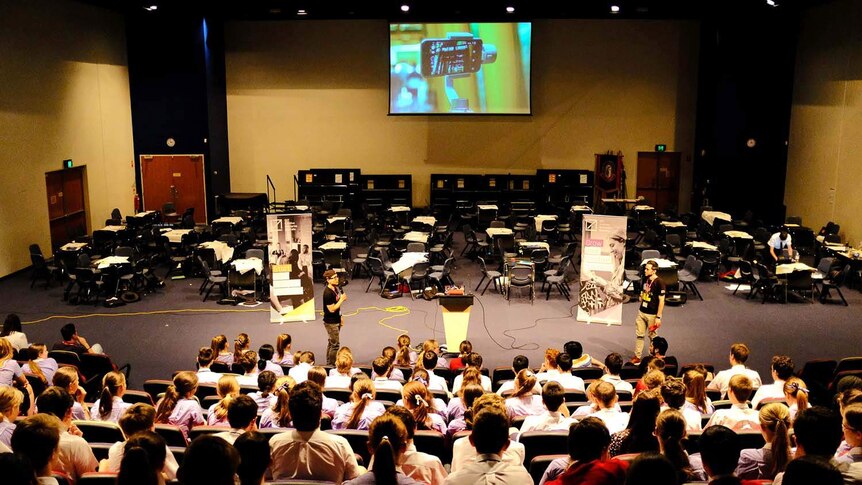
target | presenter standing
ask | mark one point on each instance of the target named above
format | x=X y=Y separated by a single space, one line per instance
x=651 y=308
x=333 y=298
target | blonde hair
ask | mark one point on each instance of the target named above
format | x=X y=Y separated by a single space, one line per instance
x=344 y=361
x=228 y=389
x=363 y=393
x=33 y=352
x=240 y=345
x=184 y=385
x=654 y=379
x=402 y=357
x=283 y=386
x=795 y=388
x=10 y=399
x=775 y=417
x=525 y=381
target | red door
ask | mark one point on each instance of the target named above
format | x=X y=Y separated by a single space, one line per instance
x=176 y=179
x=67 y=213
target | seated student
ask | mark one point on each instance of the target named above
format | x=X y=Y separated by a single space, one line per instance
x=300 y=371
x=381 y=366
x=673 y=397
x=10 y=370
x=740 y=417
x=72 y=342
x=467 y=396
x=209 y=461
x=110 y=405
x=67 y=378
x=519 y=363
x=464 y=349
x=254 y=458
x=13 y=332
x=549 y=369
x=695 y=392
x=361 y=410
x=228 y=390
x=565 y=378
x=248 y=361
x=264 y=397
x=652 y=469
x=306 y=452
x=523 y=402
x=265 y=354
x=455 y=408
x=613 y=366
x=576 y=352
x=719 y=451
x=670 y=431
x=76 y=457
x=852 y=426
x=782 y=369
x=179 y=407
x=38 y=439
x=639 y=434
x=348 y=357
x=405 y=356
x=10 y=405
x=417 y=465
x=766 y=462
x=813 y=469
x=606 y=399
x=555 y=417
x=429 y=363
x=242 y=416
x=317 y=375
x=394 y=374
x=491 y=440
x=464 y=451
x=339 y=377
x=588 y=409
x=138 y=418
x=433 y=346
x=795 y=395
x=40 y=364
x=658 y=349
x=738 y=355
x=241 y=345
x=588 y=453
x=421 y=376
x=205 y=360
x=144 y=456
x=473 y=361
x=278 y=415
x=387 y=442
x=420 y=402
x=221 y=353
x=282 y=355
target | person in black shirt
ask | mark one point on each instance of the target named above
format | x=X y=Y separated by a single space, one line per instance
x=651 y=308
x=333 y=298
x=72 y=342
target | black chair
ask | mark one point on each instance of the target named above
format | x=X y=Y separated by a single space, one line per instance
x=833 y=281
x=204 y=430
x=100 y=431
x=358 y=440
x=212 y=280
x=588 y=373
x=134 y=397
x=433 y=443
x=154 y=387
x=521 y=276
x=558 y=279
x=492 y=277
x=41 y=268
x=540 y=463
x=538 y=443
x=690 y=275
x=97 y=478
x=173 y=435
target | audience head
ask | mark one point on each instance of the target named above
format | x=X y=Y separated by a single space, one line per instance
x=490 y=431
x=574 y=349
x=421 y=375
x=471 y=375
x=402 y=358
x=17 y=469
x=6 y=350
x=241 y=412
x=305 y=404
x=670 y=430
x=564 y=363
x=218 y=345
x=429 y=359
x=227 y=387
x=849 y=382
x=431 y=344
x=818 y=431
x=381 y=365
x=38 y=438
x=387 y=441
x=281 y=408
x=469 y=394
x=519 y=363
x=10 y=402
x=658 y=346
x=588 y=440
x=605 y=394
x=240 y=345
x=652 y=469
x=113 y=385
x=812 y=469
x=553 y=395
x=782 y=366
x=68 y=331
x=317 y=375
x=363 y=393
x=390 y=353
x=184 y=386
x=852 y=425
x=464 y=348
x=143 y=459
x=344 y=361
x=474 y=359
x=796 y=392
x=248 y=361
x=406 y=418
x=775 y=423
x=264 y=353
x=266 y=382
x=11 y=324
x=205 y=357
x=551 y=358
x=55 y=401
x=139 y=417
x=695 y=388
x=525 y=382
x=282 y=345
x=254 y=457
x=740 y=387
x=306 y=357
x=673 y=393
x=739 y=353
x=614 y=363
x=209 y=460
x=419 y=401
x=654 y=378
x=719 y=449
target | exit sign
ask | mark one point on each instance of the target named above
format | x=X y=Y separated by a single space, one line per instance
x=68 y=163
x=661 y=148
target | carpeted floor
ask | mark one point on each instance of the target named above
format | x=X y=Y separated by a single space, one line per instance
x=163 y=331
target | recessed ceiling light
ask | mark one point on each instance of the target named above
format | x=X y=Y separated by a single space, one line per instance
x=615 y=9
x=510 y=9
x=301 y=12
x=405 y=8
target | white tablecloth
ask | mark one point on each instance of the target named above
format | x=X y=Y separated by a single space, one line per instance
x=738 y=234
x=110 y=260
x=336 y=219
x=243 y=266
x=334 y=245
x=72 y=246
x=416 y=236
x=399 y=208
x=581 y=208
x=430 y=220
x=643 y=208
x=223 y=252
x=791 y=267
x=176 y=235
x=791 y=225
x=408 y=260
x=498 y=231
x=487 y=207
x=711 y=216
x=701 y=245
x=113 y=228
x=662 y=263
x=672 y=224
x=535 y=245
x=144 y=214
x=544 y=217
x=232 y=220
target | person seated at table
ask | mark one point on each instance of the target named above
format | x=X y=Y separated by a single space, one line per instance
x=780 y=242
x=72 y=342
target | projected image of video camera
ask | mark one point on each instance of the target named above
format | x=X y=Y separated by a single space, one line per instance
x=454 y=56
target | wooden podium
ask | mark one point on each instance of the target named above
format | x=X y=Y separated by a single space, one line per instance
x=456 y=318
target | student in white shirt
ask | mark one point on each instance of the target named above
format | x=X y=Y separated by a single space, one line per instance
x=523 y=402
x=565 y=377
x=242 y=415
x=782 y=369
x=613 y=366
x=38 y=438
x=339 y=377
x=381 y=366
x=606 y=399
x=738 y=355
x=548 y=369
x=472 y=361
x=144 y=456
x=138 y=418
x=518 y=363
x=556 y=416
x=300 y=371
x=432 y=345
x=205 y=359
x=673 y=395
x=248 y=361
x=419 y=466
x=387 y=441
x=740 y=417
x=429 y=362
x=491 y=440
x=463 y=451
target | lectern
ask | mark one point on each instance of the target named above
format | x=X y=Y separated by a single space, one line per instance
x=456 y=318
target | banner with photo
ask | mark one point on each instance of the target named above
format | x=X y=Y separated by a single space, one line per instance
x=291 y=290
x=603 y=253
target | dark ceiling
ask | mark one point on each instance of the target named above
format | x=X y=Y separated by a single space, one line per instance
x=461 y=10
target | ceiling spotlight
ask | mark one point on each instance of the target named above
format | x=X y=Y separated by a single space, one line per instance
x=151 y=8
x=772 y=3
x=510 y=9
x=615 y=9
x=301 y=12
x=405 y=8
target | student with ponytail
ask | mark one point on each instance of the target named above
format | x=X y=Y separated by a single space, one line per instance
x=227 y=389
x=144 y=457
x=278 y=415
x=317 y=375
x=523 y=402
x=282 y=350
x=264 y=397
x=670 y=430
x=40 y=364
x=387 y=442
x=766 y=462
x=796 y=394
x=240 y=345
x=110 y=405
x=405 y=355
x=67 y=378
x=221 y=353
x=469 y=393
x=695 y=392
x=10 y=403
x=416 y=399
x=362 y=408
x=265 y=355
x=179 y=407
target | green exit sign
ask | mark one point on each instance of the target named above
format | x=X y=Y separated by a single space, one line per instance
x=68 y=163
x=661 y=148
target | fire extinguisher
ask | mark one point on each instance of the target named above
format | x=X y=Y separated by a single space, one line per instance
x=137 y=202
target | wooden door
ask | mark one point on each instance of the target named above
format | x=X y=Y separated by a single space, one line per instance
x=178 y=179
x=67 y=211
x=658 y=179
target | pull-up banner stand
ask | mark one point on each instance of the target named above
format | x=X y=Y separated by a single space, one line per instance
x=603 y=252
x=456 y=318
x=291 y=290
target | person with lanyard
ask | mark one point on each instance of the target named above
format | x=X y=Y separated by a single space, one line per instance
x=333 y=298
x=651 y=308
x=780 y=241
